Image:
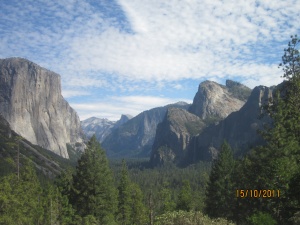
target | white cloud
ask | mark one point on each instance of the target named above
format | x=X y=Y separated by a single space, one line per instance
x=112 y=107
x=154 y=45
x=74 y=93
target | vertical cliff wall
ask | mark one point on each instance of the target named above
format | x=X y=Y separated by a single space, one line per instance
x=31 y=101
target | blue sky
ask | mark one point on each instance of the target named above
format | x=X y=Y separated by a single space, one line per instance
x=127 y=56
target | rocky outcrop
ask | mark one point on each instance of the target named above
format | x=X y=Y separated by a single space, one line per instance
x=173 y=135
x=239 y=129
x=214 y=102
x=101 y=127
x=122 y=120
x=135 y=137
x=31 y=101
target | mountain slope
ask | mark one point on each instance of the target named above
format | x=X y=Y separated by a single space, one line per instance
x=101 y=127
x=239 y=129
x=31 y=102
x=46 y=162
x=173 y=135
x=212 y=103
x=135 y=137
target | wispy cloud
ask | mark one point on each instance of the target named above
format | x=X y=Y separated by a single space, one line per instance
x=135 y=46
x=113 y=106
x=74 y=93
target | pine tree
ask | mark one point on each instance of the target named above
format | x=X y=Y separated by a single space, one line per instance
x=93 y=191
x=220 y=191
x=124 y=199
x=167 y=203
x=275 y=165
x=21 y=197
x=185 y=197
x=138 y=209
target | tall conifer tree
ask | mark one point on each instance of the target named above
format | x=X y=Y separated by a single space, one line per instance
x=220 y=191
x=93 y=192
x=124 y=209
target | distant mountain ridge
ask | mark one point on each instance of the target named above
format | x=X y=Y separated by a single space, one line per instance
x=135 y=137
x=31 y=102
x=101 y=127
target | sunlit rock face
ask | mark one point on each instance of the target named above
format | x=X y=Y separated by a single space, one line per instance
x=217 y=101
x=31 y=101
x=239 y=129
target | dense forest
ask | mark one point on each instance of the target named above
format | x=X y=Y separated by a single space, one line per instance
x=263 y=187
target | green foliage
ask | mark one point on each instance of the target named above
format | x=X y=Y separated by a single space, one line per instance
x=261 y=218
x=275 y=166
x=185 y=197
x=93 y=192
x=20 y=198
x=194 y=127
x=188 y=218
x=165 y=182
x=124 y=198
x=239 y=91
x=131 y=209
x=220 y=190
x=165 y=196
x=295 y=219
x=138 y=209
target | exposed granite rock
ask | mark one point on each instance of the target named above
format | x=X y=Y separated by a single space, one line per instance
x=215 y=102
x=5 y=129
x=31 y=101
x=239 y=129
x=135 y=137
x=101 y=127
x=212 y=103
x=122 y=120
x=173 y=135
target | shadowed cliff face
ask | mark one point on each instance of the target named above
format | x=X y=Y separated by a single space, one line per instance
x=173 y=135
x=31 y=101
x=239 y=129
x=135 y=137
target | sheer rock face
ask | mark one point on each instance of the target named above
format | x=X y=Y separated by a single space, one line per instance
x=239 y=129
x=212 y=103
x=31 y=101
x=216 y=101
x=135 y=137
x=173 y=135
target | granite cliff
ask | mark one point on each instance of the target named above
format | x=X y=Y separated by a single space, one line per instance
x=212 y=103
x=215 y=102
x=135 y=137
x=239 y=129
x=31 y=102
x=173 y=135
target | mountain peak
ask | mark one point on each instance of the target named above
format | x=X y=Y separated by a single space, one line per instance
x=214 y=101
